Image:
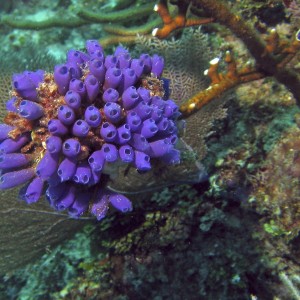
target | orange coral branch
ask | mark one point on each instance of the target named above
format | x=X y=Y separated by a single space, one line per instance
x=271 y=56
x=272 y=41
x=268 y=61
x=173 y=23
x=220 y=83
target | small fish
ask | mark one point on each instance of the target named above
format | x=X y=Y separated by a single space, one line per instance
x=166 y=86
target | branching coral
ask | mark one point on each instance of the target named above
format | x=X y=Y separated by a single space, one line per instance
x=271 y=57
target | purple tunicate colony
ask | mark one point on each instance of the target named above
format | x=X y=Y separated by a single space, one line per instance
x=66 y=133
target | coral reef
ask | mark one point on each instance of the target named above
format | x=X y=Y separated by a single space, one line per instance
x=233 y=237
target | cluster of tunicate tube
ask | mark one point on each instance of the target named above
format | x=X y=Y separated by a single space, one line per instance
x=65 y=132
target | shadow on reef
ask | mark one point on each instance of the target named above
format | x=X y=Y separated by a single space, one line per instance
x=183 y=246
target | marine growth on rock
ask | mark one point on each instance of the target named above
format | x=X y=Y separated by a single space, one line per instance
x=66 y=132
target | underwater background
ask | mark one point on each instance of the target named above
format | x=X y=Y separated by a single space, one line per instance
x=222 y=224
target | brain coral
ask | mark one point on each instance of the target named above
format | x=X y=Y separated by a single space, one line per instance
x=67 y=132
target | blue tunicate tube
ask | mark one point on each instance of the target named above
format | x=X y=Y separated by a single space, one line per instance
x=30 y=110
x=73 y=99
x=92 y=116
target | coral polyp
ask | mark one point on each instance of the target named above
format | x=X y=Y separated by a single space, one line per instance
x=66 y=132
